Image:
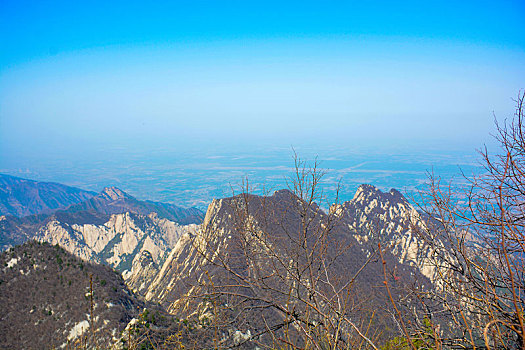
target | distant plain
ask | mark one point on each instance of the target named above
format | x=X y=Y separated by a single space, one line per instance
x=194 y=177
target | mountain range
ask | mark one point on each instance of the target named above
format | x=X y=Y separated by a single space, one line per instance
x=247 y=249
x=115 y=201
x=21 y=197
x=88 y=209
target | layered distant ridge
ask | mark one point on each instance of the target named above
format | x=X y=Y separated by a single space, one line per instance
x=112 y=200
x=21 y=197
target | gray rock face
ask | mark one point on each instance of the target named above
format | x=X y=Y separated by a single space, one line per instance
x=118 y=241
x=144 y=269
x=71 y=208
x=387 y=217
x=185 y=265
x=194 y=263
x=111 y=227
x=173 y=264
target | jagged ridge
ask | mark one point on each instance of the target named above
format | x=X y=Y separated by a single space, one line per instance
x=186 y=271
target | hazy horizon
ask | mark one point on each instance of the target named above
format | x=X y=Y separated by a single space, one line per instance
x=111 y=88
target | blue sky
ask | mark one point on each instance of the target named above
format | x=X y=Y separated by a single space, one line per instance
x=76 y=76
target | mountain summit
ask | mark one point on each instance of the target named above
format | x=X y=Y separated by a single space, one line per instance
x=114 y=193
x=254 y=250
x=389 y=218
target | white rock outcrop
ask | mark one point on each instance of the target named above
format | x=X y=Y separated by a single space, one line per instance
x=118 y=241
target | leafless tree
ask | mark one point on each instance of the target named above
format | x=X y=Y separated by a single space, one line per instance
x=481 y=258
x=278 y=268
x=282 y=271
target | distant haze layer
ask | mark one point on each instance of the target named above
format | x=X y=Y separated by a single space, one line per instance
x=173 y=100
x=194 y=178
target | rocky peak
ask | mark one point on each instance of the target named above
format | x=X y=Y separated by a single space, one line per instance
x=389 y=218
x=222 y=211
x=367 y=193
x=118 y=241
x=284 y=194
x=143 y=271
x=275 y=222
x=114 y=193
x=396 y=194
x=213 y=209
x=388 y=213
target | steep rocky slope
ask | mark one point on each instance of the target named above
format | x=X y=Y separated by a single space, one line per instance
x=143 y=271
x=117 y=241
x=15 y=231
x=21 y=197
x=111 y=228
x=388 y=218
x=121 y=241
x=247 y=236
x=232 y=270
x=46 y=301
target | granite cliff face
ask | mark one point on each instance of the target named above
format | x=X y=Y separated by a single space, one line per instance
x=118 y=241
x=191 y=270
x=112 y=228
x=184 y=266
x=143 y=270
x=255 y=235
x=388 y=218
